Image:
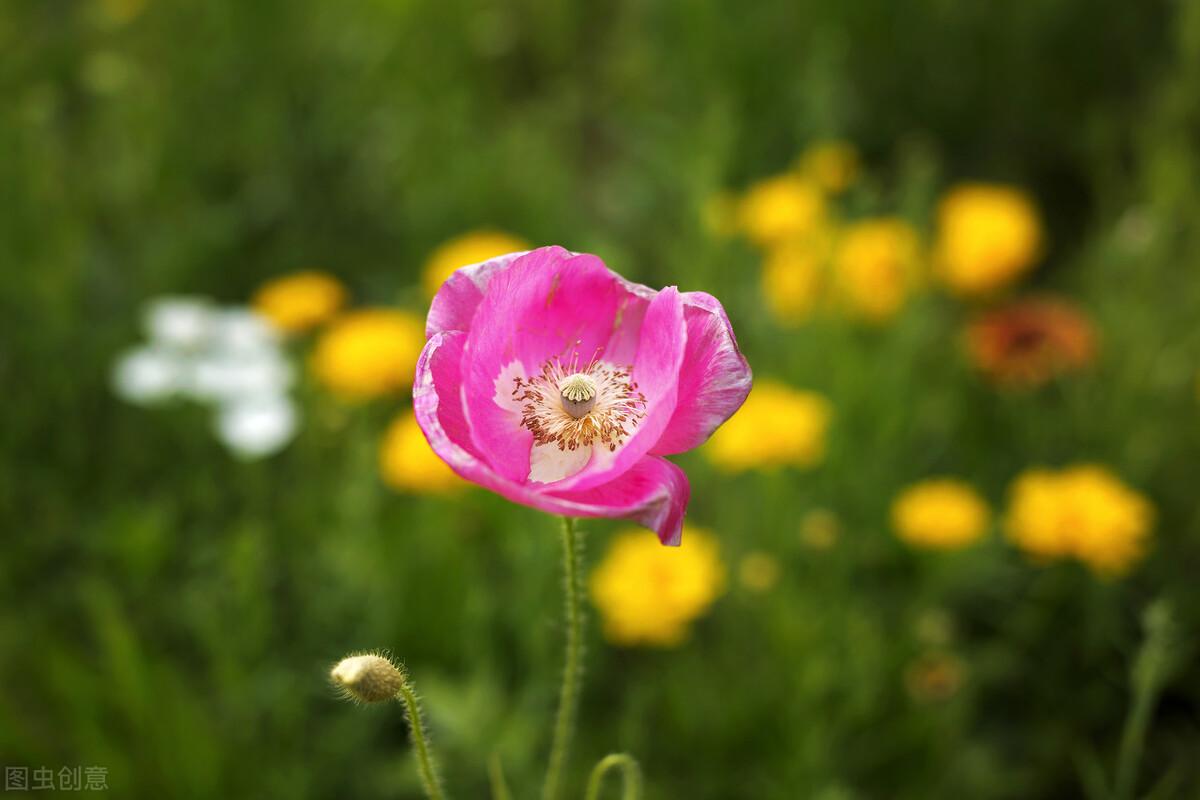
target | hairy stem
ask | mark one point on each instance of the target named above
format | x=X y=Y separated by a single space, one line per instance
x=568 y=696
x=629 y=768
x=416 y=725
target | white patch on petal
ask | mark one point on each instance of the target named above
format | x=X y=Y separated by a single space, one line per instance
x=506 y=381
x=548 y=464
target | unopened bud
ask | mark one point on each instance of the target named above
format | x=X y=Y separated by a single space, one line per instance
x=368 y=678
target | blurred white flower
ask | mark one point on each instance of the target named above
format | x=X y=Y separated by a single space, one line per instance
x=225 y=376
x=179 y=322
x=229 y=358
x=243 y=331
x=147 y=375
x=257 y=427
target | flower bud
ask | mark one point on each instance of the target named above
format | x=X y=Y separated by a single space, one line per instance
x=368 y=678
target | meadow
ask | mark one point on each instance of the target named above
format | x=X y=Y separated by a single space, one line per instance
x=947 y=549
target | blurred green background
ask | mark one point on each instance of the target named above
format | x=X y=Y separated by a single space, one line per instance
x=170 y=612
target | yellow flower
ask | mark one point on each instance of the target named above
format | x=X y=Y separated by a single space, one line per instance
x=792 y=280
x=758 y=571
x=781 y=208
x=408 y=463
x=369 y=353
x=833 y=165
x=1084 y=512
x=988 y=236
x=300 y=301
x=462 y=251
x=942 y=513
x=777 y=426
x=876 y=267
x=648 y=594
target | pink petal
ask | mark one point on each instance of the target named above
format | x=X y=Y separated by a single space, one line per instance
x=455 y=302
x=437 y=390
x=661 y=347
x=713 y=381
x=547 y=303
x=653 y=492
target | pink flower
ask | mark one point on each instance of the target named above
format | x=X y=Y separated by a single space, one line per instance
x=553 y=381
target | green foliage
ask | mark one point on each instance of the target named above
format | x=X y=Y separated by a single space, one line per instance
x=170 y=613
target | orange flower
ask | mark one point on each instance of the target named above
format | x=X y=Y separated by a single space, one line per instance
x=1026 y=343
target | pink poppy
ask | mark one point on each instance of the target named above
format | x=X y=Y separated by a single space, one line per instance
x=550 y=379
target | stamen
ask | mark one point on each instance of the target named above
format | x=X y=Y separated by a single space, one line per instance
x=576 y=407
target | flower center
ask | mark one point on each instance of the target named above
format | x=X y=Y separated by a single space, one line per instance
x=578 y=394
x=575 y=407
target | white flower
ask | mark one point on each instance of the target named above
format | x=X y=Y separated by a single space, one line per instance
x=147 y=375
x=240 y=330
x=257 y=427
x=184 y=323
x=225 y=377
x=230 y=358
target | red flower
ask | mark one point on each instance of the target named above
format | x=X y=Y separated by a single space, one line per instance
x=1029 y=341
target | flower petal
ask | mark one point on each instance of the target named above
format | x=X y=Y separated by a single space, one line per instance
x=661 y=346
x=437 y=403
x=653 y=492
x=455 y=302
x=713 y=381
x=549 y=463
x=547 y=303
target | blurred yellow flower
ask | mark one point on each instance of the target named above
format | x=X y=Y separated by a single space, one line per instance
x=988 y=236
x=777 y=426
x=1084 y=512
x=300 y=301
x=833 y=165
x=781 y=208
x=462 y=251
x=758 y=571
x=408 y=463
x=876 y=267
x=648 y=594
x=792 y=280
x=369 y=353
x=941 y=513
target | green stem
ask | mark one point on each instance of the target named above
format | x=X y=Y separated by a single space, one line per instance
x=416 y=725
x=629 y=768
x=1132 y=738
x=496 y=777
x=568 y=696
x=1151 y=668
